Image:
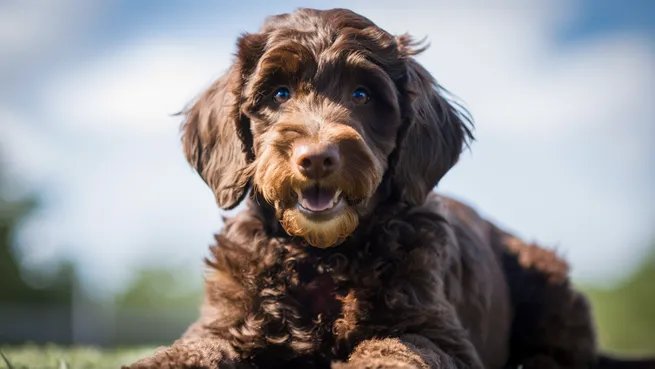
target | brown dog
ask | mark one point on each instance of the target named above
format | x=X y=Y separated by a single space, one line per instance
x=343 y=256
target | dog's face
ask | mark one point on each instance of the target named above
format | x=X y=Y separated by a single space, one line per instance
x=318 y=109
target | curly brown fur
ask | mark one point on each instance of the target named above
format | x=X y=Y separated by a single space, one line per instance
x=384 y=275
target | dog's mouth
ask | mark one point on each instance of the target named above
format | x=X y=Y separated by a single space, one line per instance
x=320 y=201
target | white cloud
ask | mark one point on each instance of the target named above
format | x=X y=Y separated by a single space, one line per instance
x=135 y=89
x=562 y=154
x=570 y=94
x=24 y=150
x=33 y=29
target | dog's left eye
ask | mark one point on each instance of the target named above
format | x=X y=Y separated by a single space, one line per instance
x=281 y=95
x=360 y=96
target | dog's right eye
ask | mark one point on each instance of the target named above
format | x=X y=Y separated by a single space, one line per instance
x=360 y=96
x=281 y=95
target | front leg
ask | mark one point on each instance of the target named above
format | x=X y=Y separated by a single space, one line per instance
x=407 y=352
x=196 y=349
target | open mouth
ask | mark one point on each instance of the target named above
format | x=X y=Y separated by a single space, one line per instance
x=319 y=200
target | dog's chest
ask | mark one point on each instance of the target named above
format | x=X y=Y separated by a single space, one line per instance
x=320 y=297
x=315 y=317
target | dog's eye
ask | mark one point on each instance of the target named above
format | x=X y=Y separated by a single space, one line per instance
x=281 y=95
x=360 y=96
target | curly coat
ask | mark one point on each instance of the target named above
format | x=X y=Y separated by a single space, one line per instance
x=400 y=277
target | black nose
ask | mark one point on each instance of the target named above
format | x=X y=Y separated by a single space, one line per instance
x=316 y=161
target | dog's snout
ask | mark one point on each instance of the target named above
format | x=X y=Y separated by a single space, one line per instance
x=316 y=161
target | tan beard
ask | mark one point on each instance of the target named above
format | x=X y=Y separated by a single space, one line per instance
x=322 y=234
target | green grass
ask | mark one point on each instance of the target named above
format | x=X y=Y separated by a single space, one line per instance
x=57 y=357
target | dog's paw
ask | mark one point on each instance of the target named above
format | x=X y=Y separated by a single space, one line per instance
x=175 y=357
x=193 y=353
x=377 y=363
x=158 y=359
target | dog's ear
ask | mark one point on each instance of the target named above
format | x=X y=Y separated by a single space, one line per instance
x=216 y=136
x=433 y=135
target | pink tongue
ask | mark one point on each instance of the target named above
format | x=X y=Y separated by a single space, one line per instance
x=318 y=199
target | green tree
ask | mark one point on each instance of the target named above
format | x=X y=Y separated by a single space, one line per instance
x=21 y=303
x=625 y=314
x=13 y=288
x=160 y=287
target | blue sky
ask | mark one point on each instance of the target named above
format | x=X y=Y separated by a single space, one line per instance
x=561 y=92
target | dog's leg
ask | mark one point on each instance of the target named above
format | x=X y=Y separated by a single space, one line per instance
x=553 y=325
x=197 y=348
x=406 y=352
x=562 y=334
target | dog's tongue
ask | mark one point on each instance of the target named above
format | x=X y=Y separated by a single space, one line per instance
x=317 y=199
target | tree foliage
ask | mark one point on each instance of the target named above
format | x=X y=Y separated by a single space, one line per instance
x=625 y=314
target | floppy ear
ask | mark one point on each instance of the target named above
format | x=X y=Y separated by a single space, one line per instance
x=216 y=136
x=433 y=136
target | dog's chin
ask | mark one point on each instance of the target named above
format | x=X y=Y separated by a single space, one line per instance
x=323 y=217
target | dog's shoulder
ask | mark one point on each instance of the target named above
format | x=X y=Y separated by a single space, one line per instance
x=528 y=255
x=460 y=215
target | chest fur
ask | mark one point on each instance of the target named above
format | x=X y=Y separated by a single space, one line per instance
x=276 y=297
x=317 y=293
x=298 y=305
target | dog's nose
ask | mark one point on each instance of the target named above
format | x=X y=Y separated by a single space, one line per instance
x=316 y=161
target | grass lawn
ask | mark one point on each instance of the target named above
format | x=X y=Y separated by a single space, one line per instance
x=57 y=357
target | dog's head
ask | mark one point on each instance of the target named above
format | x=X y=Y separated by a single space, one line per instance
x=318 y=110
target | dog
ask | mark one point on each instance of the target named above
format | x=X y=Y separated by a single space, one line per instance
x=334 y=136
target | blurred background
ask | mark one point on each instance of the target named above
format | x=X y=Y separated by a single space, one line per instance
x=103 y=225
